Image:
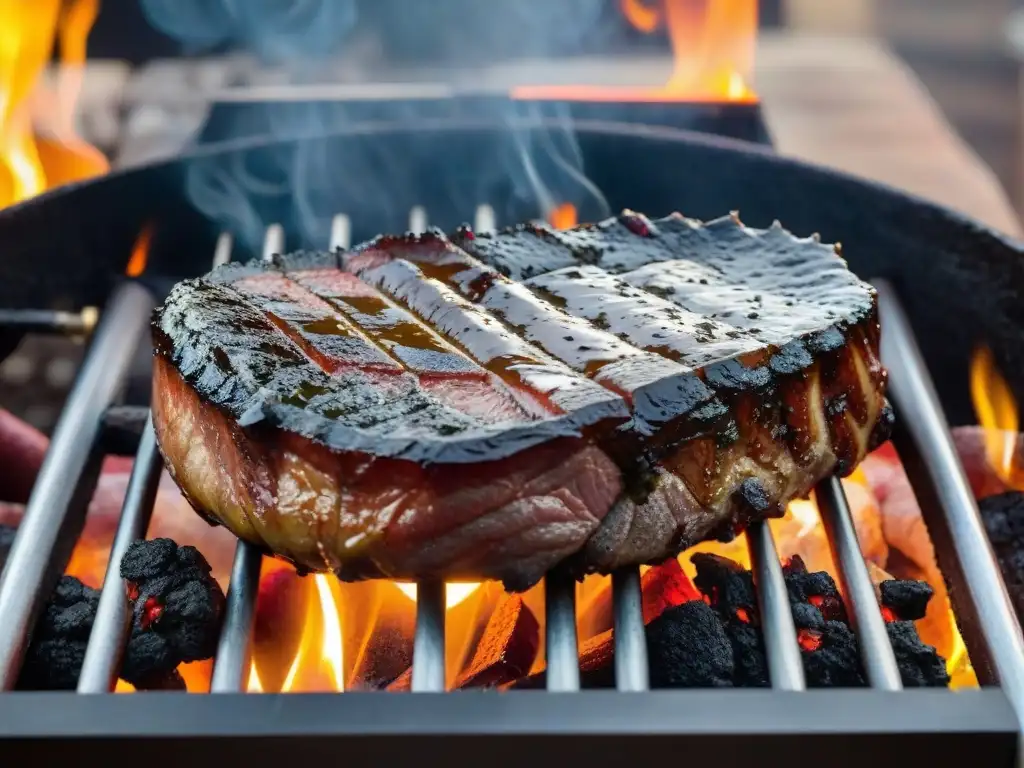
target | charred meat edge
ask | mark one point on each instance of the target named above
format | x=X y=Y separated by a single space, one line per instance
x=820 y=409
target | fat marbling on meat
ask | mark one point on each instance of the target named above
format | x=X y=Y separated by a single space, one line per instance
x=494 y=406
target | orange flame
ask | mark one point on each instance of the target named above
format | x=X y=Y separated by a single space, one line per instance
x=996 y=410
x=453 y=593
x=640 y=16
x=140 y=253
x=713 y=45
x=563 y=216
x=29 y=162
x=319 y=664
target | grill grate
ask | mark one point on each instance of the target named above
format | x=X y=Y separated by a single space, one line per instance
x=55 y=515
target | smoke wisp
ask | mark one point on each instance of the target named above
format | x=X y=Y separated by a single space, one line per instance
x=319 y=160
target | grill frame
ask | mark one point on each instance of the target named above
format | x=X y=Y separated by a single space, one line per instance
x=866 y=724
x=768 y=728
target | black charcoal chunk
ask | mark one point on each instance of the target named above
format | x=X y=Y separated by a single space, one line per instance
x=687 y=648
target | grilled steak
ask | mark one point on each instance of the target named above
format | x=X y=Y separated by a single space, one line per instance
x=491 y=406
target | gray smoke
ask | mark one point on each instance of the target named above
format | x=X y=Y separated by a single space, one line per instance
x=533 y=166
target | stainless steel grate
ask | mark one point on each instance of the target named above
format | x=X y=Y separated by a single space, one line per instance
x=55 y=514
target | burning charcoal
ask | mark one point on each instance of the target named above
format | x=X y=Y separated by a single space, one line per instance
x=903 y=603
x=687 y=647
x=402 y=683
x=748 y=656
x=827 y=644
x=504 y=654
x=1003 y=515
x=908 y=600
x=830 y=656
x=665 y=586
x=726 y=585
x=661 y=586
x=597 y=654
x=814 y=588
x=597 y=669
x=729 y=590
x=919 y=664
x=176 y=609
x=55 y=653
x=506 y=650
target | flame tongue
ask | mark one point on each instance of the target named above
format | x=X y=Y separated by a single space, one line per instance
x=30 y=164
x=712 y=47
x=997 y=413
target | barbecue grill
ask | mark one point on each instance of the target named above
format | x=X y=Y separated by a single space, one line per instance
x=70 y=246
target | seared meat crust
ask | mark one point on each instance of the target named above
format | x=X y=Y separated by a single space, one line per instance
x=493 y=406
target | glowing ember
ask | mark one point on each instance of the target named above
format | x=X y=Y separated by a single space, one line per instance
x=38 y=144
x=713 y=53
x=997 y=413
x=809 y=639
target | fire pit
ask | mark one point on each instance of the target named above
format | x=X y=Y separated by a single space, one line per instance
x=869 y=620
x=911 y=248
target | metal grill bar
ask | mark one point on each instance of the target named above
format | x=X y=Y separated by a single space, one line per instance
x=111 y=627
x=865 y=615
x=231 y=666
x=341 y=232
x=428 y=643
x=563 y=661
x=965 y=555
x=67 y=477
x=484 y=220
x=222 y=251
x=418 y=220
x=911 y=390
x=631 y=671
x=785 y=668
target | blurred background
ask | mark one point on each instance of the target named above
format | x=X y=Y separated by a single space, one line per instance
x=968 y=53
x=920 y=94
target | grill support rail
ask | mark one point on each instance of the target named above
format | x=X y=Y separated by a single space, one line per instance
x=55 y=513
x=68 y=475
x=985 y=614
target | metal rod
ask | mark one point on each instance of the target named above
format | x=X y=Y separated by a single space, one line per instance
x=222 y=251
x=862 y=604
x=954 y=521
x=563 y=660
x=417 y=219
x=111 y=627
x=484 y=221
x=785 y=667
x=49 y=321
x=428 y=643
x=273 y=240
x=341 y=232
x=631 y=671
x=29 y=563
x=231 y=665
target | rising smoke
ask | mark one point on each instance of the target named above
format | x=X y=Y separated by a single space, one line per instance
x=532 y=166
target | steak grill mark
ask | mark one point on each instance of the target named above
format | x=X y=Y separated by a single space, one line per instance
x=724 y=370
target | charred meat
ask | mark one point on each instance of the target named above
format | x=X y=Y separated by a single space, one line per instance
x=491 y=406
